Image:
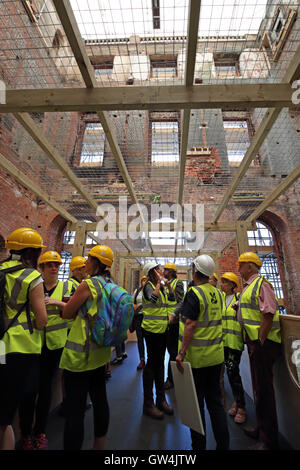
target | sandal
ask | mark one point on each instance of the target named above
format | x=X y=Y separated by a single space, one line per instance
x=240 y=416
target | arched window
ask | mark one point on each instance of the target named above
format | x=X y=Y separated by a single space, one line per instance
x=261 y=241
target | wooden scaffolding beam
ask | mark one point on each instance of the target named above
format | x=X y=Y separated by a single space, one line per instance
x=203 y=96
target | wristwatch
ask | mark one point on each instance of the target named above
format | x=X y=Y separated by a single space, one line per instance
x=181 y=354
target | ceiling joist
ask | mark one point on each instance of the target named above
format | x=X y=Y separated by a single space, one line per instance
x=229 y=96
x=27 y=183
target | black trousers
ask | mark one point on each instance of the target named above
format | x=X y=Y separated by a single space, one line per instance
x=262 y=359
x=207 y=383
x=172 y=346
x=154 y=370
x=38 y=395
x=77 y=386
x=140 y=336
x=232 y=363
x=13 y=378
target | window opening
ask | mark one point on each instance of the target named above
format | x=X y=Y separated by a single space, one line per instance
x=262 y=241
x=64 y=269
x=165 y=144
x=92 y=150
x=163 y=69
x=237 y=140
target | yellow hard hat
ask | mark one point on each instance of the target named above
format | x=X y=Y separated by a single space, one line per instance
x=215 y=276
x=77 y=262
x=171 y=266
x=103 y=253
x=24 y=238
x=249 y=257
x=143 y=277
x=50 y=257
x=230 y=277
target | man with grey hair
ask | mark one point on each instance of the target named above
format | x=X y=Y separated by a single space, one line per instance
x=258 y=314
x=201 y=344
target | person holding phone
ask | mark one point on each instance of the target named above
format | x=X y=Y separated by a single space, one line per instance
x=156 y=301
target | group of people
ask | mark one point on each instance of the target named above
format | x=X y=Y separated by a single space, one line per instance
x=47 y=325
x=209 y=328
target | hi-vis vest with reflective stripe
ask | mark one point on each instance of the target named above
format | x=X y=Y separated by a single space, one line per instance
x=18 y=338
x=232 y=332
x=56 y=330
x=250 y=313
x=172 y=304
x=74 y=282
x=206 y=348
x=80 y=352
x=156 y=315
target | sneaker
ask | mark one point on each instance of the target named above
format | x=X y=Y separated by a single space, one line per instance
x=26 y=443
x=40 y=442
x=117 y=360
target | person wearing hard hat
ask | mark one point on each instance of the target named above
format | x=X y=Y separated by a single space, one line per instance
x=83 y=361
x=21 y=340
x=258 y=314
x=170 y=273
x=201 y=344
x=137 y=321
x=77 y=268
x=36 y=404
x=213 y=280
x=155 y=322
x=233 y=346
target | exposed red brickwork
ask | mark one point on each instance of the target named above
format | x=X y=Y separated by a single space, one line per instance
x=203 y=167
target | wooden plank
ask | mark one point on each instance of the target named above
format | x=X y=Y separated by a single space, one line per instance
x=166 y=254
x=291 y=74
x=260 y=135
x=283 y=186
x=192 y=41
x=29 y=184
x=34 y=131
x=242 y=238
x=79 y=243
x=237 y=96
x=172 y=226
x=66 y=16
x=68 y=20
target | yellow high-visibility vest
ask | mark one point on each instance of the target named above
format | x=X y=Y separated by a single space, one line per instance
x=56 y=331
x=206 y=348
x=156 y=315
x=251 y=315
x=81 y=353
x=232 y=332
x=18 y=338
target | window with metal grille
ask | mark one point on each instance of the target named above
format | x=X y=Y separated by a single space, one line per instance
x=69 y=238
x=64 y=269
x=163 y=69
x=262 y=237
x=104 y=69
x=165 y=145
x=237 y=139
x=92 y=150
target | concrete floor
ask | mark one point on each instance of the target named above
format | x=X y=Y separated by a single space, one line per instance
x=129 y=429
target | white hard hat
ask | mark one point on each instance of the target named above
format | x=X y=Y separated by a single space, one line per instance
x=148 y=266
x=205 y=265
